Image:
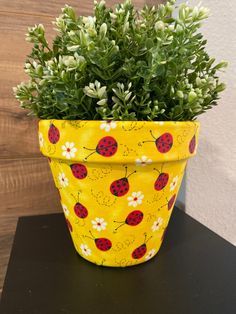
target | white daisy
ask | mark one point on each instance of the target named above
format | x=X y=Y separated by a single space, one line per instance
x=65 y=209
x=69 y=150
x=159 y=122
x=41 y=140
x=135 y=199
x=85 y=249
x=174 y=183
x=150 y=254
x=156 y=225
x=99 y=224
x=63 y=180
x=108 y=125
x=143 y=161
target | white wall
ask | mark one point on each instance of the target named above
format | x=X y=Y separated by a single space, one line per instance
x=211 y=175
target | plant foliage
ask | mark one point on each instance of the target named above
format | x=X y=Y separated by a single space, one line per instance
x=122 y=64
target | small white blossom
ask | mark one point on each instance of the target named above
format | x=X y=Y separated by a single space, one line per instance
x=69 y=150
x=135 y=199
x=63 y=180
x=143 y=161
x=174 y=183
x=150 y=254
x=156 y=225
x=85 y=249
x=41 y=140
x=94 y=90
x=99 y=224
x=108 y=125
x=65 y=209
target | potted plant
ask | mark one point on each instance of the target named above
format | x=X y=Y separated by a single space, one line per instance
x=117 y=95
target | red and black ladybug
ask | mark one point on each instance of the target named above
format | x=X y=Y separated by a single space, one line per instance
x=133 y=219
x=192 y=145
x=170 y=202
x=79 y=209
x=106 y=147
x=140 y=251
x=79 y=171
x=53 y=134
x=121 y=186
x=69 y=225
x=103 y=244
x=161 y=181
x=163 y=142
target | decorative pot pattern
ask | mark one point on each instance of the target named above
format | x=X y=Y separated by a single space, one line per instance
x=118 y=182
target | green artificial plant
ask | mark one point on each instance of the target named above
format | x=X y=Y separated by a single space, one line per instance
x=122 y=64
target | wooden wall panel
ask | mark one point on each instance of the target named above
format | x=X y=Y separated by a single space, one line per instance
x=26 y=186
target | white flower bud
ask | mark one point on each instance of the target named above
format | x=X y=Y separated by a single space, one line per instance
x=102 y=92
x=102 y=102
x=159 y=26
x=192 y=96
x=113 y=16
x=180 y=94
x=198 y=81
x=103 y=30
x=27 y=65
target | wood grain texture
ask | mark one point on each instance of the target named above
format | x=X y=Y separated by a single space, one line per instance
x=26 y=186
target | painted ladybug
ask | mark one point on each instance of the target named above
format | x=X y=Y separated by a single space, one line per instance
x=171 y=201
x=79 y=171
x=121 y=186
x=192 y=145
x=69 y=225
x=79 y=209
x=161 y=181
x=140 y=251
x=53 y=134
x=103 y=244
x=133 y=219
x=163 y=142
x=106 y=147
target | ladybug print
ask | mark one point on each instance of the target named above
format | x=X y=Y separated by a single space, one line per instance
x=79 y=171
x=161 y=181
x=133 y=219
x=106 y=147
x=163 y=142
x=120 y=187
x=192 y=145
x=53 y=134
x=140 y=251
x=171 y=201
x=79 y=209
x=103 y=244
x=69 y=225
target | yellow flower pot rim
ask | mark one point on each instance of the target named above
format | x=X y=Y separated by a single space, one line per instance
x=134 y=139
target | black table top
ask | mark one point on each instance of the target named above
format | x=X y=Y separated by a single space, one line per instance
x=194 y=272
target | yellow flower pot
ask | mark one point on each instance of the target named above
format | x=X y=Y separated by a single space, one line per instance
x=118 y=183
